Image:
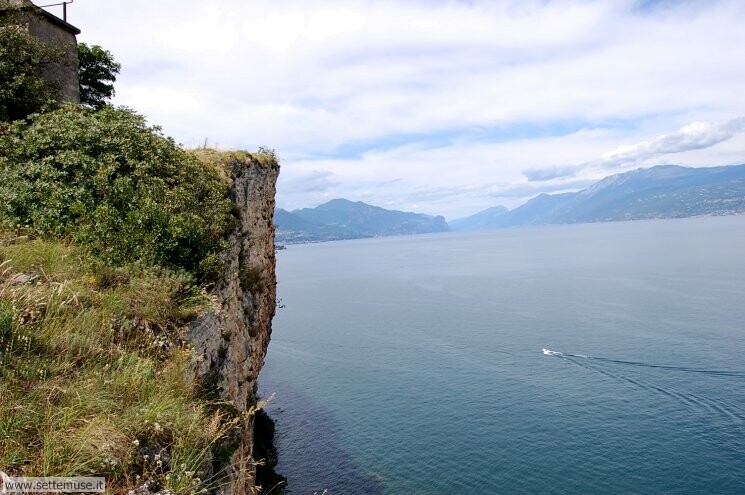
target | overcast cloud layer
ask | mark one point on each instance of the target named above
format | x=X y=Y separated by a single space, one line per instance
x=444 y=107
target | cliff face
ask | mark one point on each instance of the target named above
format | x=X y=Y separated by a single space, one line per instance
x=230 y=345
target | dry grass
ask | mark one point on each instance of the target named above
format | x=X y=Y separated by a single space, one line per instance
x=92 y=367
x=218 y=159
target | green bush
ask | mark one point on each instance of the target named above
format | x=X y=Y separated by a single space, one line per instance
x=116 y=186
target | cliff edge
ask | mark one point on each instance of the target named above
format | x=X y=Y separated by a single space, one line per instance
x=137 y=290
x=230 y=344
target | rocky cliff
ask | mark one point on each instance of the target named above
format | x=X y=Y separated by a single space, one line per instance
x=230 y=344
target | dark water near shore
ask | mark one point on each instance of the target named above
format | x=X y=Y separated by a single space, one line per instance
x=414 y=365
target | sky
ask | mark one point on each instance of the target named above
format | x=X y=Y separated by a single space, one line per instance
x=435 y=106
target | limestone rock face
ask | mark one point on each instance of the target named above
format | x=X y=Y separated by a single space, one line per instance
x=230 y=344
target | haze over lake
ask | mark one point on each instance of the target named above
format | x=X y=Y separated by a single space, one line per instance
x=415 y=364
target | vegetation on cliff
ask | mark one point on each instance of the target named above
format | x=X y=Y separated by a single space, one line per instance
x=110 y=234
x=115 y=186
x=111 y=238
x=92 y=367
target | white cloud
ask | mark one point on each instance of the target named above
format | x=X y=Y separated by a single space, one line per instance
x=696 y=135
x=317 y=181
x=444 y=95
x=550 y=173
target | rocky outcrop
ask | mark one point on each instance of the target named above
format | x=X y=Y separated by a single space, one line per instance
x=230 y=344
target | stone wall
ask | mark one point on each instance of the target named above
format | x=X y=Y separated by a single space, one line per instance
x=56 y=33
x=66 y=72
x=230 y=345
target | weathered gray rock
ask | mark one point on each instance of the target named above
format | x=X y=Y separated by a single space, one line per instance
x=23 y=278
x=230 y=345
x=150 y=488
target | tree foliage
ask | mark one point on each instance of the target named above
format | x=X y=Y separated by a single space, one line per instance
x=22 y=89
x=114 y=185
x=98 y=72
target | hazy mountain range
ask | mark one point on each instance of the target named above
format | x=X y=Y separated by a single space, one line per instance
x=665 y=191
x=344 y=219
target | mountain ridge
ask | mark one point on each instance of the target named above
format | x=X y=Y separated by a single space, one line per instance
x=340 y=219
x=664 y=191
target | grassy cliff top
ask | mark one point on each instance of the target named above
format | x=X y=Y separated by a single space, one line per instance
x=221 y=159
x=110 y=234
x=92 y=367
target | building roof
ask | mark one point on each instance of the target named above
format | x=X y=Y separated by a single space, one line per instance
x=56 y=20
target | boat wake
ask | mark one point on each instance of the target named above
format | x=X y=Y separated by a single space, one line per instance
x=675 y=368
x=713 y=405
x=549 y=352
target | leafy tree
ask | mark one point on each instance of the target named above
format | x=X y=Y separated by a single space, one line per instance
x=116 y=186
x=22 y=89
x=98 y=72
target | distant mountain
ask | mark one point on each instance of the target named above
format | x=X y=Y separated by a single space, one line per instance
x=665 y=191
x=344 y=219
x=486 y=219
x=289 y=222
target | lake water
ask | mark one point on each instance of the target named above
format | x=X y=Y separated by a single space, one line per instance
x=414 y=365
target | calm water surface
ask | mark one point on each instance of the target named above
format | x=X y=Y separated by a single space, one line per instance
x=414 y=365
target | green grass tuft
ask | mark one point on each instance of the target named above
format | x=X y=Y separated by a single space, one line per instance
x=92 y=367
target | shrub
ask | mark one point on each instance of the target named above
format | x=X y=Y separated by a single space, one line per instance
x=119 y=188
